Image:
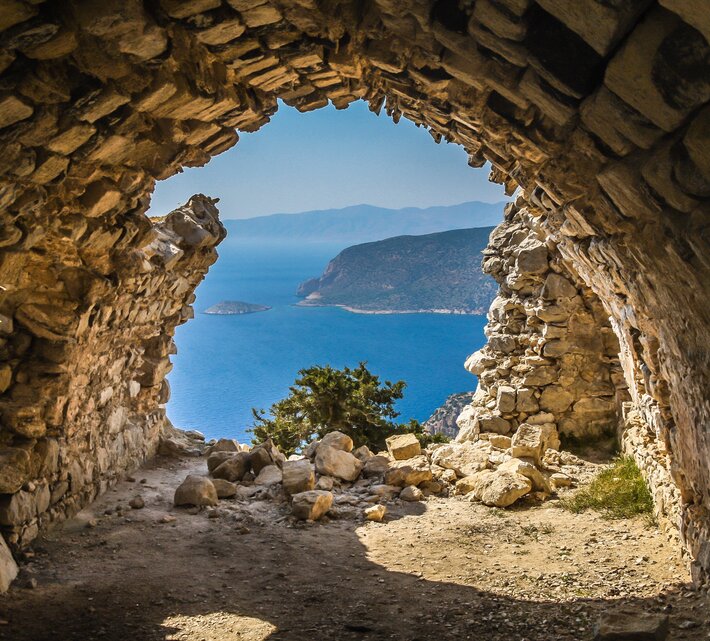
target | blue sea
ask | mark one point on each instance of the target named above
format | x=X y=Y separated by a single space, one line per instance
x=226 y=365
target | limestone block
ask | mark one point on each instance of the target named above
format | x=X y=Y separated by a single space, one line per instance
x=375 y=466
x=694 y=12
x=222 y=32
x=637 y=73
x=599 y=24
x=337 y=440
x=557 y=286
x=14 y=469
x=526 y=400
x=298 y=476
x=531 y=441
x=12 y=110
x=375 y=513
x=500 y=489
x=234 y=467
x=411 y=493
x=185 y=9
x=463 y=458
x=224 y=489
x=403 y=446
x=529 y=471
x=532 y=258
x=412 y=471
x=269 y=475
x=311 y=505
x=505 y=399
x=17 y=508
x=342 y=465
x=555 y=399
x=196 y=490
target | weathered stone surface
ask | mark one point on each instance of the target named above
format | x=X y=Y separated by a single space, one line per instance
x=338 y=463
x=269 y=475
x=338 y=441
x=594 y=110
x=403 y=446
x=411 y=471
x=234 y=466
x=298 y=476
x=375 y=513
x=631 y=625
x=311 y=505
x=224 y=489
x=8 y=567
x=463 y=458
x=196 y=490
x=411 y=493
x=500 y=489
x=14 y=469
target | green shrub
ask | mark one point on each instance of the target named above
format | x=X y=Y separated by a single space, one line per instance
x=325 y=399
x=619 y=492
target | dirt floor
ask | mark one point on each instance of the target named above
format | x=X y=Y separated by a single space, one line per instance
x=442 y=569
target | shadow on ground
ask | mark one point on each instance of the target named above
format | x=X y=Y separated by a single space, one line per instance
x=196 y=579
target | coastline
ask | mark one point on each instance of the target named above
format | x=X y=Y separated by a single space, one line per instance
x=357 y=310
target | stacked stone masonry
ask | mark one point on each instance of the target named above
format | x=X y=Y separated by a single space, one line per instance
x=597 y=111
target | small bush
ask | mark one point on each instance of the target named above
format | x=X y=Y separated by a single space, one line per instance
x=619 y=492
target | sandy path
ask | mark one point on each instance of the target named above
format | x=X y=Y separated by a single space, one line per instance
x=443 y=569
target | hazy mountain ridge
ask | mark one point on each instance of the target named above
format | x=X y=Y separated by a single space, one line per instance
x=438 y=272
x=364 y=223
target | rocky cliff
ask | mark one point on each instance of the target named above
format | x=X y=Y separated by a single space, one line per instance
x=435 y=272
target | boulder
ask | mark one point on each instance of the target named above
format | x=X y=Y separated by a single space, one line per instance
x=528 y=442
x=363 y=453
x=196 y=490
x=413 y=471
x=224 y=445
x=385 y=491
x=494 y=423
x=376 y=466
x=225 y=489
x=264 y=454
x=216 y=459
x=499 y=441
x=8 y=567
x=500 y=489
x=324 y=483
x=375 y=513
x=555 y=399
x=233 y=468
x=311 y=505
x=269 y=475
x=464 y=458
x=338 y=463
x=298 y=476
x=403 y=446
x=505 y=399
x=338 y=441
x=467 y=422
x=529 y=471
x=629 y=624
x=411 y=493
x=465 y=485
x=558 y=479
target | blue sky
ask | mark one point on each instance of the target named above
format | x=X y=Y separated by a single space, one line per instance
x=330 y=159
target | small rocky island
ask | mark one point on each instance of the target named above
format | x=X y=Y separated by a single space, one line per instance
x=234 y=307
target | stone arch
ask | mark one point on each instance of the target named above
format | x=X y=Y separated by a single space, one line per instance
x=597 y=111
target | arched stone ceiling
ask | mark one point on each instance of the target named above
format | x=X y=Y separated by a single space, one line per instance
x=597 y=109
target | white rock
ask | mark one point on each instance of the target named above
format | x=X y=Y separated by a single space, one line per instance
x=500 y=489
x=529 y=471
x=464 y=458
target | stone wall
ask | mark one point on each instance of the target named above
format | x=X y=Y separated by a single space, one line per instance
x=551 y=353
x=597 y=110
x=92 y=356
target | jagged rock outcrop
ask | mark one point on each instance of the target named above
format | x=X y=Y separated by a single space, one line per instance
x=598 y=111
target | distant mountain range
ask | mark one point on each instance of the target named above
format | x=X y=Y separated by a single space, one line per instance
x=364 y=223
x=431 y=273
